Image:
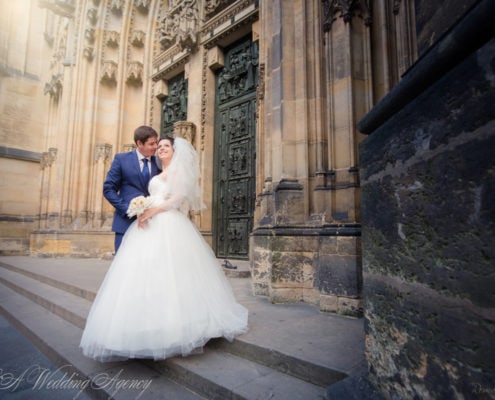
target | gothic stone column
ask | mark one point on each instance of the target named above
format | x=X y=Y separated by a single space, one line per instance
x=305 y=245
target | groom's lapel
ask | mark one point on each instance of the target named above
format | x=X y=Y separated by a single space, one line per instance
x=154 y=167
x=137 y=167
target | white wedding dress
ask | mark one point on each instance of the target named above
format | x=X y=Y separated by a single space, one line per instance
x=165 y=293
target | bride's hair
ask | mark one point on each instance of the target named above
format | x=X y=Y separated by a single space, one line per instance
x=171 y=139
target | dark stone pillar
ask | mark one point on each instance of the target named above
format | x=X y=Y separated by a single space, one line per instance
x=428 y=217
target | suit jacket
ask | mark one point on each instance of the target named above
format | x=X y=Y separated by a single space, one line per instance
x=125 y=181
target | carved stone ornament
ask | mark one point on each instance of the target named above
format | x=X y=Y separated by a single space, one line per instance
x=54 y=87
x=92 y=15
x=109 y=72
x=116 y=6
x=185 y=129
x=89 y=34
x=103 y=151
x=128 y=147
x=142 y=5
x=49 y=38
x=214 y=6
x=113 y=38
x=137 y=38
x=345 y=9
x=88 y=53
x=48 y=157
x=180 y=26
x=135 y=72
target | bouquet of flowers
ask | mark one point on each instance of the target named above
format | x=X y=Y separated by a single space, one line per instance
x=138 y=205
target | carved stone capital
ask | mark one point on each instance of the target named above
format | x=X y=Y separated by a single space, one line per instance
x=109 y=72
x=142 y=5
x=116 y=6
x=88 y=53
x=113 y=38
x=92 y=15
x=137 y=38
x=103 y=152
x=128 y=147
x=135 y=72
x=48 y=157
x=54 y=87
x=89 y=35
x=185 y=129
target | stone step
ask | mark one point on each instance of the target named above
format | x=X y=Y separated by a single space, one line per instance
x=295 y=339
x=59 y=340
x=59 y=298
x=223 y=376
x=273 y=368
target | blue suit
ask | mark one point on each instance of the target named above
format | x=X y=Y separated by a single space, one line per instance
x=125 y=181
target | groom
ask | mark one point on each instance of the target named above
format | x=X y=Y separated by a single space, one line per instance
x=128 y=177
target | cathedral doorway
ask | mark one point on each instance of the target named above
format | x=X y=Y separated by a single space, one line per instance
x=234 y=155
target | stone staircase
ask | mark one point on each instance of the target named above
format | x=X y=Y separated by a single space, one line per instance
x=290 y=351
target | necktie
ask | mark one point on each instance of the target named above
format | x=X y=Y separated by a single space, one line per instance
x=146 y=171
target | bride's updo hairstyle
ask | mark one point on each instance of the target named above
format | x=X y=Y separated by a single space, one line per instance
x=171 y=139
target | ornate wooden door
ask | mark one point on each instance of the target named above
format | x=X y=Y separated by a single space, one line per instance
x=234 y=164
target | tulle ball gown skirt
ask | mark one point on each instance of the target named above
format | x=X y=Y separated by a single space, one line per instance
x=163 y=295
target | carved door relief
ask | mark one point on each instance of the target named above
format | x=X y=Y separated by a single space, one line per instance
x=174 y=105
x=234 y=172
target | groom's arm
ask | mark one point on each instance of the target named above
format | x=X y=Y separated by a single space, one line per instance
x=112 y=186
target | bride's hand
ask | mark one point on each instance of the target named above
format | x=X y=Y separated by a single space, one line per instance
x=146 y=215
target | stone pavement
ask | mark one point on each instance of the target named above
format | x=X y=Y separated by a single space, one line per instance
x=290 y=352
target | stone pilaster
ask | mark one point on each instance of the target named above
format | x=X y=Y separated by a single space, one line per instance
x=305 y=245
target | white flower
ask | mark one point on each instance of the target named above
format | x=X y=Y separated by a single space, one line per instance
x=138 y=205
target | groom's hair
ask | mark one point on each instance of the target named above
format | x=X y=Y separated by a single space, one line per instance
x=143 y=133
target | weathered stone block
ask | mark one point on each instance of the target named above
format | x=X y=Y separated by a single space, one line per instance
x=428 y=205
x=339 y=275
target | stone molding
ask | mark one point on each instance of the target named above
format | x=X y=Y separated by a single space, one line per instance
x=230 y=20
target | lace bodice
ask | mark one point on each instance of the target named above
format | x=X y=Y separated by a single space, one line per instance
x=159 y=187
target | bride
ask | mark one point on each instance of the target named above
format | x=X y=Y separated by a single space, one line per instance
x=165 y=293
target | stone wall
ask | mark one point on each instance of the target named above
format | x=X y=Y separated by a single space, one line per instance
x=23 y=110
x=428 y=214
